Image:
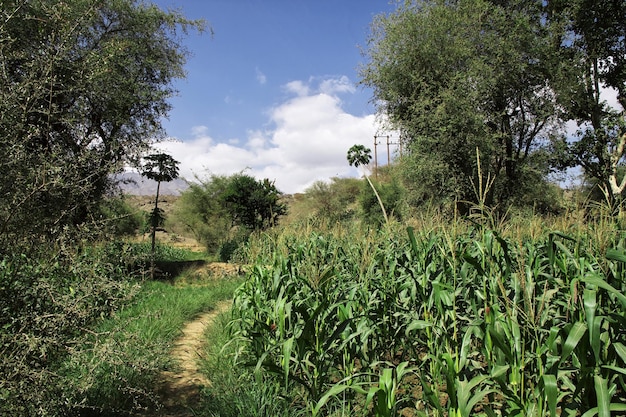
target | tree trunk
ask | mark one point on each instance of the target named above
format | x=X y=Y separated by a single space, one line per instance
x=154 y=226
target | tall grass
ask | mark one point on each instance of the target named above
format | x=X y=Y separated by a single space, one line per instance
x=115 y=368
x=453 y=321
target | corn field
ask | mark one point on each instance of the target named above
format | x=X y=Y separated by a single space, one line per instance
x=437 y=323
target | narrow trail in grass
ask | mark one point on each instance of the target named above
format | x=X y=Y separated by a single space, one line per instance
x=180 y=389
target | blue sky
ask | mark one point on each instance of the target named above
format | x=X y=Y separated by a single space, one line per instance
x=274 y=91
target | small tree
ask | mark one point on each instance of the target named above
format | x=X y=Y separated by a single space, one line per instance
x=252 y=203
x=360 y=155
x=159 y=167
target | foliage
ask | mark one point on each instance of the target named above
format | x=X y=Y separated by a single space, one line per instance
x=484 y=324
x=592 y=53
x=116 y=368
x=359 y=155
x=252 y=203
x=198 y=211
x=235 y=392
x=332 y=200
x=84 y=87
x=457 y=76
x=47 y=302
x=158 y=167
x=223 y=210
x=391 y=195
x=118 y=217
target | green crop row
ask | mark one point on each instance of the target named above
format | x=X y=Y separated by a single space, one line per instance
x=470 y=324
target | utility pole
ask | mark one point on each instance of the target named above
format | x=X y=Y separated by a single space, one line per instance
x=388 y=142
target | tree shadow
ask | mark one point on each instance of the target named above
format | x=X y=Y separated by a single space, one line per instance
x=168 y=270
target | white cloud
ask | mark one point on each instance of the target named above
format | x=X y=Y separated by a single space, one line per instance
x=337 y=85
x=609 y=95
x=260 y=77
x=297 y=87
x=308 y=141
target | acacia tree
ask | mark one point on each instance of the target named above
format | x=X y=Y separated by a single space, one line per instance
x=461 y=75
x=84 y=85
x=159 y=167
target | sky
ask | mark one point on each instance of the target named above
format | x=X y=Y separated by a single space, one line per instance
x=274 y=91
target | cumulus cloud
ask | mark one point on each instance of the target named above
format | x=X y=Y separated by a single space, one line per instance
x=309 y=136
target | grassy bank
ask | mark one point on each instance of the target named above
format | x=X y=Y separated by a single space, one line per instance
x=115 y=369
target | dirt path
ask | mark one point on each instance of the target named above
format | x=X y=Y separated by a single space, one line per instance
x=180 y=389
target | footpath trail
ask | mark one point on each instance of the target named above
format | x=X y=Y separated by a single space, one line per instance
x=180 y=388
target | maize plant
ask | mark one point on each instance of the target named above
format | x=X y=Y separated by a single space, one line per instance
x=467 y=324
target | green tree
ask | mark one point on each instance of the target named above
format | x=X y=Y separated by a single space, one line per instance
x=223 y=210
x=159 y=167
x=252 y=203
x=461 y=75
x=199 y=211
x=84 y=85
x=593 y=54
x=333 y=201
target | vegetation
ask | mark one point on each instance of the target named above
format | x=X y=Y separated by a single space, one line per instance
x=222 y=211
x=460 y=282
x=84 y=88
x=456 y=321
x=502 y=77
x=160 y=168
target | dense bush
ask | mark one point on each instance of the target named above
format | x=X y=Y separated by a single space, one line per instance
x=48 y=300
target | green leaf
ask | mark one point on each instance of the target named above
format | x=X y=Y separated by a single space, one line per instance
x=602 y=395
x=621 y=350
x=598 y=281
x=615 y=255
x=333 y=392
x=593 y=322
x=287 y=348
x=617 y=407
x=576 y=333
x=551 y=392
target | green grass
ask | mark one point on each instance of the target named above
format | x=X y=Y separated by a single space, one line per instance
x=235 y=390
x=115 y=369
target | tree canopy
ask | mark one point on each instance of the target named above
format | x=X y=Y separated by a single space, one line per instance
x=498 y=76
x=84 y=85
x=593 y=53
x=252 y=203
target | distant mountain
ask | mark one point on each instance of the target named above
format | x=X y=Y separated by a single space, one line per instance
x=132 y=183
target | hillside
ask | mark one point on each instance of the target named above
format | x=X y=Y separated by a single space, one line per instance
x=132 y=183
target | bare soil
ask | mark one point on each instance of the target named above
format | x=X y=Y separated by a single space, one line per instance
x=180 y=389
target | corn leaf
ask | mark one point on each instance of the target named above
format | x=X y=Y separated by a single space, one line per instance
x=602 y=395
x=598 y=281
x=575 y=334
x=551 y=392
x=615 y=255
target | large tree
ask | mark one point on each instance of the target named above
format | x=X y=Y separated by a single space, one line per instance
x=457 y=76
x=84 y=85
x=593 y=52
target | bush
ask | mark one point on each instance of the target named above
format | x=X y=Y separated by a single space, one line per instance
x=390 y=193
x=119 y=218
x=47 y=302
